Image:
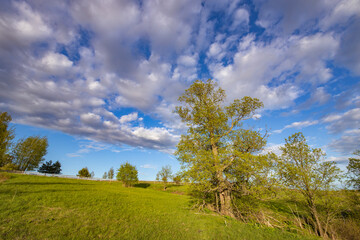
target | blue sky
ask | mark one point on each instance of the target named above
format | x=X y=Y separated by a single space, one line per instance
x=100 y=79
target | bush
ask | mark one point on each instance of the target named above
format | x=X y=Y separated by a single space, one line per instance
x=127 y=174
x=10 y=167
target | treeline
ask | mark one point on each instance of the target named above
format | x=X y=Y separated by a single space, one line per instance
x=228 y=173
x=26 y=154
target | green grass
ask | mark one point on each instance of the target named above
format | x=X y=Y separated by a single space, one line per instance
x=35 y=207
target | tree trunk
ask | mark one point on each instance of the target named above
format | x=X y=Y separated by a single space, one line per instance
x=315 y=217
x=225 y=203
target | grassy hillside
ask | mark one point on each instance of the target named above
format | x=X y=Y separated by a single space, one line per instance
x=35 y=207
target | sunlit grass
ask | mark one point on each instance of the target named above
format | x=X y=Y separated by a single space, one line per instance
x=35 y=207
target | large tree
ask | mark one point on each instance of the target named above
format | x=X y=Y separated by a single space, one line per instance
x=6 y=136
x=354 y=171
x=29 y=153
x=216 y=152
x=303 y=168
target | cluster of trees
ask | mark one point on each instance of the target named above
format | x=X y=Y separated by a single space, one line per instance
x=127 y=174
x=109 y=174
x=50 y=167
x=24 y=155
x=223 y=161
x=165 y=175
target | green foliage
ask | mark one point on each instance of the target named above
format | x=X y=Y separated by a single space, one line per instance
x=177 y=178
x=217 y=154
x=10 y=166
x=84 y=172
x=6 y=136
x=354 y=171
x=105 y=175
x=303 y=169
x=111 y=173
x=50 y=167
x=127 y=174
x=29 y=153
x=164 y=175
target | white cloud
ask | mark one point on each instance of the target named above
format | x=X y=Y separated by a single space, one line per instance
x=241 y=17
x=90 y=119
x=129 y=118
x=55 y=61
x=26 y=27
x=341 y=122
x=148 y=166
x=298 y=125
x=347 y=143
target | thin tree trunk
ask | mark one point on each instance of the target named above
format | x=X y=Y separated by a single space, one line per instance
x=315 y=217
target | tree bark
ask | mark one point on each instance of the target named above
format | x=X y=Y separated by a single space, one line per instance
x=225 y=203
x=315 y=217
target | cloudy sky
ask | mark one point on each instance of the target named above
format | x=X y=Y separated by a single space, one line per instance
x=101 y=78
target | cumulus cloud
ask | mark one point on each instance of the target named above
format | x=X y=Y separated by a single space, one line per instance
x=288 y=62
x=341 y=122
x=347 y=143
x=73 y=66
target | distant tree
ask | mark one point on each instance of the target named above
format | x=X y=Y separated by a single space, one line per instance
x=128 y=174
x=29 y=153
x=354 y=171
x=302 y=168
x=49 y=167
x=84 y=172
x=164 y=175
x=177 y=178
x=6 y=136
x=111 y=173
x=92 y=174
x=105 y=176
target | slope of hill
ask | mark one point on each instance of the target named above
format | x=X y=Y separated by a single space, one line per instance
x=35 y=207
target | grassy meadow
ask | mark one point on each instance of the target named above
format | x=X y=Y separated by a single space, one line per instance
x=38 y=207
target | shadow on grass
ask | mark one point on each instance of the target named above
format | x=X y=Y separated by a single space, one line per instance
x=142 y=185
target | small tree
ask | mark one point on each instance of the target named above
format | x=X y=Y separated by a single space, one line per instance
x=177 y=178
x=111 y=173
x=29 y=152
x=49 y=167
x=84 y=172
x=6 y=136
x=302 y=168
x=354 y=171
x=105 y=175
x=128 y=174
x=164 y=175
